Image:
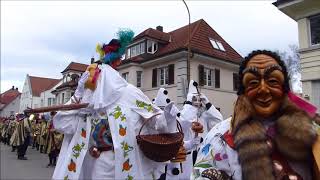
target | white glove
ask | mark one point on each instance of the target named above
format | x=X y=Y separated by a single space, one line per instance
x=80 y=89
x=191 y=144
x=204 y=99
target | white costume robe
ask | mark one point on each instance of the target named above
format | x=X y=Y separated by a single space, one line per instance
x=208 y=119
x=74 y=146
x=126 y=108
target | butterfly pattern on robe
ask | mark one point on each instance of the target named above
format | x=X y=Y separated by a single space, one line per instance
x=102 y=134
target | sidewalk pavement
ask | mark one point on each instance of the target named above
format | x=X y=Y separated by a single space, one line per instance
x=34 y=168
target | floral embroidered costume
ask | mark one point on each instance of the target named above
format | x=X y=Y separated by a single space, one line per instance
x=121 y=107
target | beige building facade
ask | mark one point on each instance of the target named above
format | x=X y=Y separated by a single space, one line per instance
x=213 y=66
x=70 y=76
x=307 y=15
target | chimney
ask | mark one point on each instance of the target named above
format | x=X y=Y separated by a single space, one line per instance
x=159 y=28
x=92 y=60
x=12 y=87
x=16 y=89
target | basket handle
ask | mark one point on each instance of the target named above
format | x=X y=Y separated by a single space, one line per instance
x=145 y=122
x=179 y=127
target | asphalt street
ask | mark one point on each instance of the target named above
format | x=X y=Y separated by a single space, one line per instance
x=33 y=168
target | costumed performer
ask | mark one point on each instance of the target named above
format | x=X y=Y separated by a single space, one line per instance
x=269 y=135
x=54 y=142
x=196 y=110
x=115 y=113
x=22 y=135
x=172 y=170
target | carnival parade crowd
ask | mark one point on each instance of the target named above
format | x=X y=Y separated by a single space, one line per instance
x=119 y=133
x=35 y=131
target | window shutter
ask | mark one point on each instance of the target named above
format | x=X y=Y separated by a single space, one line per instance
x=171 y=74
x=235 y=82
x=217 y=78
x=154 y=78
x=201 y=74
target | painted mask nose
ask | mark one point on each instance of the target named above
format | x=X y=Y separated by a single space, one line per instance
x=263 y=88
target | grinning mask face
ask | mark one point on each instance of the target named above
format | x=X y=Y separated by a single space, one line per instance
x=263 y=81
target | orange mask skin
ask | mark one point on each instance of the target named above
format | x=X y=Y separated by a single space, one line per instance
x=89 y=84
x=264 y=85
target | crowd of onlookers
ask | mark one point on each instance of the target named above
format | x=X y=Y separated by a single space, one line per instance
x=34 y=130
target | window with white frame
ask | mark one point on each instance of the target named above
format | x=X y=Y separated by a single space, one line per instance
x=49 y=102
x=207 y=76
x=142 y=48
x=139 y=78
x=136 y=50
x=220 y=46
x=163 y=75
x=128 y=52
x=315 y=29
x=133 y=51
x=214 y=44
x=125 y=76
x=54 y=101
x=217 y=44
x=152 y=46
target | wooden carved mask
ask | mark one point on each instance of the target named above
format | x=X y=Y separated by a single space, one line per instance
x=263 y=81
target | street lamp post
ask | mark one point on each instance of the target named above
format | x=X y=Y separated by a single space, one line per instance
x=188 y=56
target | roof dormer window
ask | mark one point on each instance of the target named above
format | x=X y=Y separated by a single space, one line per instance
x=216 y=44
x=152 y=47
x=136 y=50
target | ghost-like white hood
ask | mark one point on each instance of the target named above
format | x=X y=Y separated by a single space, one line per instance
x=110 y=86
x=193 y=87
x=162 y=98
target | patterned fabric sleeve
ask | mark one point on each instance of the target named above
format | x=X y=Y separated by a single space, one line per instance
x=212 y=162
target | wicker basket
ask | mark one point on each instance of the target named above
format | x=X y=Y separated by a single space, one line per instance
x=160 y=147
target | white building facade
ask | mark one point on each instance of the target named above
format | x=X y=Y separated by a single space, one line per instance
x=32 y=89
x=157 y=59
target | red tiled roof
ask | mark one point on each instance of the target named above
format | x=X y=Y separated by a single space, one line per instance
x=76 y=67
x=40 y=84
x=8 y=96
x=200 y=32
x=70 y=84
x=153 y=33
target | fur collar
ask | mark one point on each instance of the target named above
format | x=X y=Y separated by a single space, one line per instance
x=294 y=138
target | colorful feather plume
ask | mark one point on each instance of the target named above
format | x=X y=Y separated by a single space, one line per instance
x=112 y=52
x=99 y=50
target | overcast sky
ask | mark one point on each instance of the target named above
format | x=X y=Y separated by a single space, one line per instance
x=42 y=38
